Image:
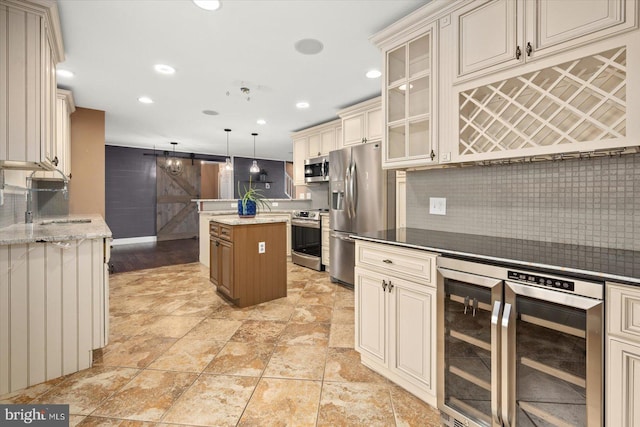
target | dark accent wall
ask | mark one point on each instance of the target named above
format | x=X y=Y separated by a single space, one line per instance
x=275 y=176
x=130 y=193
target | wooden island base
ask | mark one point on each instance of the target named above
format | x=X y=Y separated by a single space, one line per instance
x=248 y=259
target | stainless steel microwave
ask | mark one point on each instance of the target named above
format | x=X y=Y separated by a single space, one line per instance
x=316 y=169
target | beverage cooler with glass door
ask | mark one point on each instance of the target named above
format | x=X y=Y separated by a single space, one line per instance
x=518 y=348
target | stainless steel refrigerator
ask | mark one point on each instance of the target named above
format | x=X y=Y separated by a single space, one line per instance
x=358 y=203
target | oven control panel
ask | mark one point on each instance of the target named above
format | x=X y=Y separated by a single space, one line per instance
x=565 y=285
x=309 y=215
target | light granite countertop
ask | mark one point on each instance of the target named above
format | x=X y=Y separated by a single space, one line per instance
x=56 y=229
x=235 y=212
x=248 y=221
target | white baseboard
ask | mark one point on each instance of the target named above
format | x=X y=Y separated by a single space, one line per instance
x=130 y=240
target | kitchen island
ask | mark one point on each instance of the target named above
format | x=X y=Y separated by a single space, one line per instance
x=248 y=259
x=54 y=298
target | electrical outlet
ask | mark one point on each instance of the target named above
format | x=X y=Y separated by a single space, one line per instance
x=233 y=205
x=262 y=247
x=274 y=204
x=437 y=205
x=445 y=157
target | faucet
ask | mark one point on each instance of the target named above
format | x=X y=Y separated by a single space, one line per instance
x=28 y=215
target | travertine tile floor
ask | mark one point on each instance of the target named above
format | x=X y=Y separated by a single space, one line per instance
x=180 y=355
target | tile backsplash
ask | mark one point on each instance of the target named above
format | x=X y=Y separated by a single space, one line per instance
x=586 y=202
x=13 y=208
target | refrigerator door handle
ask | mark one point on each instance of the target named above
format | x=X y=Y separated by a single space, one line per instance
x=495 y=364
x=347 y=197
x=354 y=190
x=507 y=386
x=343 y=238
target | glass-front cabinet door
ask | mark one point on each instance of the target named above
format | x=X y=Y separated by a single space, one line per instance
x=409 y=98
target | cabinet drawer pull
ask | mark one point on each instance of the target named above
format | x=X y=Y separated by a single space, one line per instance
x=390 y=286
x=387 y=261
x=529 y=48
x=384 y=285
x=518 y=52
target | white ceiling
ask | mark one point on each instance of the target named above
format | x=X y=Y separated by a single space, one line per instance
x=112 y=45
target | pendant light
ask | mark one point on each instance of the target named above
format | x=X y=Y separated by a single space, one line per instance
x=228 y=166
x=254 y=167
x=174 y=165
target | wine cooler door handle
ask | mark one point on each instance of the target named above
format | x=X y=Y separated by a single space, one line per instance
x=507 y=387
x=495 y=363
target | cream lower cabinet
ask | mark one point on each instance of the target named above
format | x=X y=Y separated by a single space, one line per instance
x=623 y=356
x=54 y=309
x=325 y=226
x=395 y=303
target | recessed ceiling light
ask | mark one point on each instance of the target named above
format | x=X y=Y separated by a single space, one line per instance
x=373 y=74
x=210 y=112
x=164 y=69
x=302 y=104
x=64 y=73
x=261 y=122
x=145 y=100
x=208 y=4
x=308 y=46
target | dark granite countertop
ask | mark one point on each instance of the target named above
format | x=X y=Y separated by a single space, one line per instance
x=605 y=263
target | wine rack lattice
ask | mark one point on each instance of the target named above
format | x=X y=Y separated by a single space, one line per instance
x=577 y=101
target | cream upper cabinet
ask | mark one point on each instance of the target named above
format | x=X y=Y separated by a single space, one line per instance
x=362 y=123
x=410 y=101
x=623 y=355
x=496 y=34
x=31 y=48
x=300 y=154
x=321 y=143
x=65 y=106
x=313 y=142
x=61 y=151
x=572 y=104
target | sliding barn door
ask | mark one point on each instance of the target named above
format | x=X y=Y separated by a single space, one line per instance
x=177 y=217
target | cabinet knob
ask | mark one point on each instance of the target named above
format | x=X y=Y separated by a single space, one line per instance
x=55 y=161
x=432 y=155
x=518 y=52
x=217 y=243
x=384 y=285
x=390 y=286
x=529 y=48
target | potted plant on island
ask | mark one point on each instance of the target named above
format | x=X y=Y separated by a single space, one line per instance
x=250 y=199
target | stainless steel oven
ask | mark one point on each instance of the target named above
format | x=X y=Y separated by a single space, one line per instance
x=306 y=239
x=518 y=348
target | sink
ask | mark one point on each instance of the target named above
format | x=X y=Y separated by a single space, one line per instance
x=65 y=221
